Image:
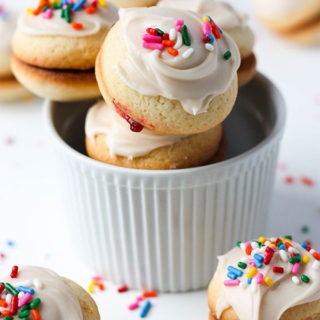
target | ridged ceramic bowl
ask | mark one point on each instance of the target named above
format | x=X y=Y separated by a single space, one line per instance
x=163 y=230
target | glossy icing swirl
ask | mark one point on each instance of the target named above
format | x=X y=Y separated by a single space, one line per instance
x=92 y=23
x=58 y=301
x=195 y=80
x=103 y=119
x=261 y=301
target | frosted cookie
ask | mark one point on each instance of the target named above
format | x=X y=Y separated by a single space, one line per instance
x=55 y=47
x=134 y=3
x=168 y=70
x=297 y=20
x=112 y=138
x=265 y=279
x=231 y=21
x=39 y=293
x=10 y=89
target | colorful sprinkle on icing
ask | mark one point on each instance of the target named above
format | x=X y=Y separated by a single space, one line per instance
x=178 y=36
x=291 y=257
x=17 y=301
x=48 y=8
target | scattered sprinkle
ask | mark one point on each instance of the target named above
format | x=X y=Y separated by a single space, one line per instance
x=10 y=243
x=288 y=180
x=307 y=181
x=149 y=294
x=305 y=229
x=96 y=283
x=123 y=289
x=145 y=309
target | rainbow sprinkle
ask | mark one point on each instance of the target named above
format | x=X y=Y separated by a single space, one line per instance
x=258 y=254
x=68 y=8
x=178 y=36
x=17 y=301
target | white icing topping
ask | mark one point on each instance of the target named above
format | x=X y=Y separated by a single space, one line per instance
x=195 y=80
x=92 y=23
x=262 y=302
x=103 y=119
x=57 y=299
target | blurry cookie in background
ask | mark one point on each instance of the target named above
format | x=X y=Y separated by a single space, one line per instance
x=231 y=21
x=10 y=89
x=295 y=20
x=134 y=3
x=55 y=47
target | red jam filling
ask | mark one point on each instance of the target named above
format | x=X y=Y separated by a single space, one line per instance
x=134 y=125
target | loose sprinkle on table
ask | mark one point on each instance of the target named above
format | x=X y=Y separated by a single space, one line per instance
x=145 y=309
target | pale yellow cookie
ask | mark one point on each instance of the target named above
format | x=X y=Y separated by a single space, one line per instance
x=298 y=21
x=88 y=306
x=247 y=69
x=192 y=151
x=134 y=3
x=58 y=52
x=266 y=278
x=58 y=85
x=59 y=48
x=306 y=311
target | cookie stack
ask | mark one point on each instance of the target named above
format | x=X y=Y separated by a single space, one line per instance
x=298 y=21
x=168 y=79
x=134 y=3
x=55 y=47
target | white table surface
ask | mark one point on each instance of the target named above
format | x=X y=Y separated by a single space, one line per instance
x=33 y=229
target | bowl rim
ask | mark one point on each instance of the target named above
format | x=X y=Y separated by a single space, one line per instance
x=275 y=132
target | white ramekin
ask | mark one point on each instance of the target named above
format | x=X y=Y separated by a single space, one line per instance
x=163 y=230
